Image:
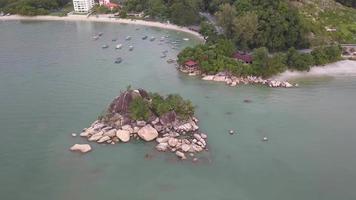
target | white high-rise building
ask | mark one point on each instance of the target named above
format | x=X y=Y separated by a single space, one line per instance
x=83 y=6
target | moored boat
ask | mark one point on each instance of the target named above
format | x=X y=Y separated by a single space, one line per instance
x=145 y=37
x=131 y=48
x=105 y=46
x=118 y=60
x=119 y=46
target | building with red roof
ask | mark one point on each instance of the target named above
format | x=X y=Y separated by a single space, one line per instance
x=190 y=64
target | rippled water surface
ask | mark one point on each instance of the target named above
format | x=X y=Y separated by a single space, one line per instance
x=55 y=80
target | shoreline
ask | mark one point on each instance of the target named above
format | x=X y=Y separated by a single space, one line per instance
x=337 y=69
x=106 y=19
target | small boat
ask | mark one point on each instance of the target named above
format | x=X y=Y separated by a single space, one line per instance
x=163 y=56
x=131 y=48
x=95 y=37
x=144 y=37
x=105 y=46
x=118 y=60
x=128 y=38
x=152 y=39
x=100 y=34
x=186 y=39
x=170 y=61
x=114 y=40
x=119 y=46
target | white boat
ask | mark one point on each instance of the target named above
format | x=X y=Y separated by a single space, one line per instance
x=131 y=48
x=95 y=37
x=128 y=38
x=186 y=39
x=105 y=46
x=152 y=39
x=119 y=46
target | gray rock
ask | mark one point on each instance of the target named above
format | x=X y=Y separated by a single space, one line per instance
x=84 y=148
x=96 y=136
x=103 y=139
x=123 y=135
x=141 y=123
x=185 y=147
x=110 y=133
x=162 y=140
x=168 y=118
x=128 y=128
x=162 y=147
x=181 y=155
x=148 y=133
x=204 y=136
x=173 y=142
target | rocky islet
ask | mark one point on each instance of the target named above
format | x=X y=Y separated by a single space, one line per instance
x=170 y=132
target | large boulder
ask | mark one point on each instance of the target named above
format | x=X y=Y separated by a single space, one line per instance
x=84 y=148
x=121 y=104
x=148 y=133
x=123 y=135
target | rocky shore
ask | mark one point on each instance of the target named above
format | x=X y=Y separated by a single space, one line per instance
x=170 y=132
x=234 y=81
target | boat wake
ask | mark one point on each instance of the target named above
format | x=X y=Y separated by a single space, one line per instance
x=341 y=68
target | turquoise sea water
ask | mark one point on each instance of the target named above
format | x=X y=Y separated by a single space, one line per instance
x=55 y=80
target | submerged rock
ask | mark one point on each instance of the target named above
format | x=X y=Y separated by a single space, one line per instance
x=84 y=148
x=181 y=155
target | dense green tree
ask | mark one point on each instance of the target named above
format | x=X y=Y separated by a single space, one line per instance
x=245 y=28
x=226 y=16
x=157 y=8
x=208 y=31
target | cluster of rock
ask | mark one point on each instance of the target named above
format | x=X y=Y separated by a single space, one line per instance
x=171 y=133
x=234 y=81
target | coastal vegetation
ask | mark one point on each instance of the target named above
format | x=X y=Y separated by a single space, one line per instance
x=181 y=12
x=31 y=7
x=218 y=57
x=273 y=24
x=142 y=105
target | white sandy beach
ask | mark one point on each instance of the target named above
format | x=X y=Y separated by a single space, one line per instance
x=341 y=68
x=104 y=18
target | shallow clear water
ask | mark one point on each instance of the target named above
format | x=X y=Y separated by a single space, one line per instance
x=55 y=80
